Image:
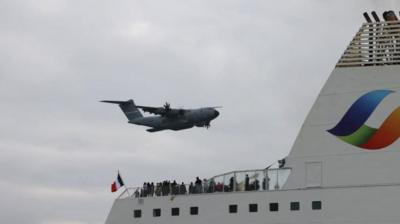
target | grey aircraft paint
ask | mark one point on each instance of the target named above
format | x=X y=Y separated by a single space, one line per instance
x=166 y=118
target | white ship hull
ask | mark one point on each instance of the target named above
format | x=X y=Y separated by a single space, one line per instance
x=340 y=205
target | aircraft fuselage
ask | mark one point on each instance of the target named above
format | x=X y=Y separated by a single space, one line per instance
x=166 y=117
x=190 y=118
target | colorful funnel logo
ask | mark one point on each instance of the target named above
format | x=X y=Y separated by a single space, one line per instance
x=352 y=129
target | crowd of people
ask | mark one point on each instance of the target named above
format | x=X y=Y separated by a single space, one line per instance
x=199 y=186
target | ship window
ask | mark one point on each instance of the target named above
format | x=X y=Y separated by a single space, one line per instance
x=232 y=208
x=316 y=205
x=294 y=206
x=156 y=212
x=194 y=210
x=253 y=207
x=273 y=207
x=174 y=211
x=137 y=213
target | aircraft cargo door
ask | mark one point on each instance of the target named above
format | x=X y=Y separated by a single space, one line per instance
x=313 y=174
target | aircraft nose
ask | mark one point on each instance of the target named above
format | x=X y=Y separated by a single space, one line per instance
x=216 y=113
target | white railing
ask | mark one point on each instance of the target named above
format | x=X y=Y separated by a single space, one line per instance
x=374 y=44
x=235 y=181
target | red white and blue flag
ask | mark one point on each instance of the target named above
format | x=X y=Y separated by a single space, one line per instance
x=117 y=184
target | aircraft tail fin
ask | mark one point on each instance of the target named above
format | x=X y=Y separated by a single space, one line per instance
x=128 y=107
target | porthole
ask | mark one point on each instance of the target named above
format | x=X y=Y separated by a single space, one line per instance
x=273 y=207
x=137 y=213
x=316 y=205
x=194 y=210
x=174 y=211
x=156 y=212
x=253 y=207
x=232 y=208
x=294 y=206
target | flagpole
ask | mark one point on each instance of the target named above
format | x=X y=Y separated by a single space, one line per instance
x=126 y=189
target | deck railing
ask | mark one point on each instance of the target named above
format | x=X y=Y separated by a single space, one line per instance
x=235 y=181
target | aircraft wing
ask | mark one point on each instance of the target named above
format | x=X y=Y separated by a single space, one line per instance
x=167 y=112
x=153 y=110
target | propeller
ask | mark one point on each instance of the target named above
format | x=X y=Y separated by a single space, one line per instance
x=167 y=106
x=207 y=125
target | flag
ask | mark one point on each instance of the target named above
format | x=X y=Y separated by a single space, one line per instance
x=117 y=184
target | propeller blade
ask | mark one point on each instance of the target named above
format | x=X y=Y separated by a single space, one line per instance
x=207 y=125
x=167 y=106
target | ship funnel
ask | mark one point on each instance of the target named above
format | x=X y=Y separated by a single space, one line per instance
x=389 y=16
x=366 y=16
x=351 y=136
x=375 y=16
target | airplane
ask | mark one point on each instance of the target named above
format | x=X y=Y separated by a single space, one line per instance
x=166 y=117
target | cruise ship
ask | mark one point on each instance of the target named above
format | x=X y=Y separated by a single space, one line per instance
x=343 y=167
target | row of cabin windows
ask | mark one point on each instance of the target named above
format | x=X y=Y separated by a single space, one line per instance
x=273 y=207
x=157 y=212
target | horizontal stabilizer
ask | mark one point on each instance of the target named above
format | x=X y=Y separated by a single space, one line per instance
x=114 y=101
x=128 y=107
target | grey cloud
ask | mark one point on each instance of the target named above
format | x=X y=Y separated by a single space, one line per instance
x=263 y=61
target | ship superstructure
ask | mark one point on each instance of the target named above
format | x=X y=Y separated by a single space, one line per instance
x=343 y=167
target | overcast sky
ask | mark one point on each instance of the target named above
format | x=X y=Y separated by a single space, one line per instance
x=263 y=61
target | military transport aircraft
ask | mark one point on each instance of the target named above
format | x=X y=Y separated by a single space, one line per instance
x=167 y=117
